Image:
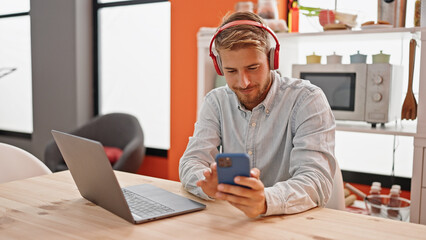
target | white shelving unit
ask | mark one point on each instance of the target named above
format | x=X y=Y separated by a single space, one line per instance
x=293 y=52
x=388 y=129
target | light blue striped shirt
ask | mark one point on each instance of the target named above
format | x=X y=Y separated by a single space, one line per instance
x=289 y=137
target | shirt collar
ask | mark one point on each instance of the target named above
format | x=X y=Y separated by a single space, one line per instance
x=269 y=99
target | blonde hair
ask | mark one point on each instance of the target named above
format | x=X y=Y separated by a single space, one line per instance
x=242 y=36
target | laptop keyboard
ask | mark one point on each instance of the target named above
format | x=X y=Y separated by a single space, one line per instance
x=143 y=206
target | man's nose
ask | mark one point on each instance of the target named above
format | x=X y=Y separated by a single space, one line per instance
x=244 y=81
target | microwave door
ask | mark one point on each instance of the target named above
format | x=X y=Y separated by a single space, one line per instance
x=344 y=89
x=339 y=88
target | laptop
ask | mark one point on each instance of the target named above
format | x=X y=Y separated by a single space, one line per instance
x=96 y=181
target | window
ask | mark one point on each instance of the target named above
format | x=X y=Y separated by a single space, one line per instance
x=16 y=115
x=134 y=64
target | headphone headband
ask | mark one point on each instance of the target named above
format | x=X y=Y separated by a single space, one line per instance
x=274 y=57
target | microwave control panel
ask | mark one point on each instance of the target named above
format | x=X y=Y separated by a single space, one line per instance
x=383 y=96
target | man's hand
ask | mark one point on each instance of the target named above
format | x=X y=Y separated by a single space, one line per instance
x=251 y=201
x=209 y=184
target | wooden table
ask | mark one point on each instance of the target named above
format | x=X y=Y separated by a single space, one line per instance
x=50 y=207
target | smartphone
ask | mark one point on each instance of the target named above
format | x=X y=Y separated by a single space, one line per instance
x=230 y=165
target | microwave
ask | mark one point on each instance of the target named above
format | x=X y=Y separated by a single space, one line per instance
x=357 y=92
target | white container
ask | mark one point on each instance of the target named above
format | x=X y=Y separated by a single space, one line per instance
x=334 y=59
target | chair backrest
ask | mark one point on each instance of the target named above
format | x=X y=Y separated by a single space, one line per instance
x=337 y=199
x=16 y=163
x=113 y=129
x=117 y=130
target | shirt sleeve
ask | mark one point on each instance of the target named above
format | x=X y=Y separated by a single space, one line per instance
x=312 y=161
x=201 y=149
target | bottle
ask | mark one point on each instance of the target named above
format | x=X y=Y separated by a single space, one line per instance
x=394 y=201
x=293 y=16
x=397 y=187
x=375 y=197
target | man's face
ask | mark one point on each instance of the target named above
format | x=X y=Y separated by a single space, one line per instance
x=246 y=71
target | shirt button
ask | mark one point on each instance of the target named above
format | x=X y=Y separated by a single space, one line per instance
x=267 y=111
x=253 y=124
x=250 y=152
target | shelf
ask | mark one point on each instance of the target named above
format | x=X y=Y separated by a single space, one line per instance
x=381 y=31
x=406 y=129
x=207 y=33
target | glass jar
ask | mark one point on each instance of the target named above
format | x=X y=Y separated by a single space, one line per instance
x=267 y=9
x=244 y=6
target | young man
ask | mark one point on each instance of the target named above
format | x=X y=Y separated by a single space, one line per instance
x=285 y=125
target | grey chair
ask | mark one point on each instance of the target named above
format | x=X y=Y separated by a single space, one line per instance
x=113 y=130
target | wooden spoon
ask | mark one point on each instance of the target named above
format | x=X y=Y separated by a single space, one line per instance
x=409 y=107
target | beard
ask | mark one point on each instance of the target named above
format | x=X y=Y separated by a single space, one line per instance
x=256 y=95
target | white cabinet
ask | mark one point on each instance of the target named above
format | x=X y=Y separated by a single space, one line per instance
x=295 y=47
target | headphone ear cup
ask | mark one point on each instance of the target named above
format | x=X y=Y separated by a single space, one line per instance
x=219 y=66
x=276 y=58
x=273 y=58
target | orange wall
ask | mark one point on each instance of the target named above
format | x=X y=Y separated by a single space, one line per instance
x=154 y=166
x=187 y=17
